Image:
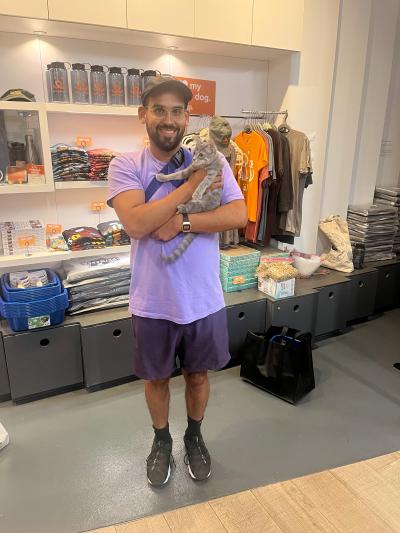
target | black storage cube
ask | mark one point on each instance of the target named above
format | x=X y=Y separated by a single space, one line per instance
x=361 y=296
x=331 y=308
x=4 y=384
x=241 y=319
x=107 y=351
x=297 y=312
x=44 y=362
x=388 y=290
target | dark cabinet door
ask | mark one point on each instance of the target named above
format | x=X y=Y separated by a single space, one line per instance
x=241 y=319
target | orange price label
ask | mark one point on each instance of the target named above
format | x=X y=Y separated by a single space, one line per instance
x=97 y=206
x=83 y=142
x=28 y=240
x=238 y=280
x=52 y=229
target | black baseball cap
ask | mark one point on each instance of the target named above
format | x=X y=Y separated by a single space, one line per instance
x=18 y=95
x=162 y=84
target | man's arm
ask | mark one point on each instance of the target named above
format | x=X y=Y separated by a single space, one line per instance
x=141 y=219
x=229 y=216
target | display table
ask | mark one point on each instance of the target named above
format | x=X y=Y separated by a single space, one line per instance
x=94 y=350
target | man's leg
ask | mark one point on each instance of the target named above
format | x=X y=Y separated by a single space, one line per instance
x=196 y=394
x=157 y=397
x=160 y=460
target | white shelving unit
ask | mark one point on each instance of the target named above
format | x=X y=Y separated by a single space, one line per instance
x=65 y=185
x=51 y=256
x=81 y=109
x=24 y=189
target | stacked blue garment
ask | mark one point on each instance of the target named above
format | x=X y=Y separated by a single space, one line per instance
x=70 y=163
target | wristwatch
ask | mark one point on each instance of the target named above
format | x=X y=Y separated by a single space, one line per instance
x=186 y=225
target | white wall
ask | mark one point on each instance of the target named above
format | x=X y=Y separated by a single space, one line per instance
x=374 y=100
x=389 y=163
x=346 y=105
x=303 y=85
x=240 y=84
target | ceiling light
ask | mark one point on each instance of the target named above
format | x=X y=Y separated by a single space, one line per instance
x=40 y=32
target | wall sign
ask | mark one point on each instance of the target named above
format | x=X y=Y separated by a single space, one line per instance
x=203 y=101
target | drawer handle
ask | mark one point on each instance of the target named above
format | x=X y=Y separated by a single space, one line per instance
x=361 y=284
x=242 y=315
x=331 y=295
x=117 y=333
x=44 y=342
x=296 y=308
x=387 y=275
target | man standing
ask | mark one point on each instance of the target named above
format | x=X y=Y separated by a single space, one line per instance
x=178 y=308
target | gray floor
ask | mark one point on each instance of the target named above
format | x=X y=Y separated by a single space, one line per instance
x=77 y=461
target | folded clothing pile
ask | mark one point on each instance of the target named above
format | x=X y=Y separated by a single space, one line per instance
x=390 y=196
x=70 y=163
x=99 y=161
x=372 y=227
x=97 y=283
x=238 y=268
x=18 y=237
x=83 y=238
x=114 y=233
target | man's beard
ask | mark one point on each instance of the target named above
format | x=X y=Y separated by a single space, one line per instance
x=166 y=143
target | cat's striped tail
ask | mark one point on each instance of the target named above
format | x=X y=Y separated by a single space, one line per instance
x=180 y=250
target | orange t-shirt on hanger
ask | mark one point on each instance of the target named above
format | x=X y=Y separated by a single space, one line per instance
x=256 y=152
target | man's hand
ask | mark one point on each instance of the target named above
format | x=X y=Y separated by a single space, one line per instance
x=170 y=229
x=196 y=178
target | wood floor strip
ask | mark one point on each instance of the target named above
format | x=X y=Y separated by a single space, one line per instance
x=388 y=466
x=109 y=529
x=367 y=484
x=152 y=524
x=291 y=509
x=341 y=507
x=243 y=513
x=198 y=518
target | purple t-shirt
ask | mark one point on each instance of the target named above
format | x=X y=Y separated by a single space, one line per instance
x=189 y=288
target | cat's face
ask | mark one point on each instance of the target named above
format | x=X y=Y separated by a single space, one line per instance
x=205 y=152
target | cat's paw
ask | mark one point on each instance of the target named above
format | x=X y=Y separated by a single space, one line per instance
x=160 y=177
x=181 y=208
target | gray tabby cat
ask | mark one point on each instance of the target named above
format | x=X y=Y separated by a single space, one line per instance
x=205 y=156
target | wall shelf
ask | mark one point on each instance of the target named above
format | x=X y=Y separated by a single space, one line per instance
x=50 y=256
x=67 y=185
x=25 y=188
x=82 y=109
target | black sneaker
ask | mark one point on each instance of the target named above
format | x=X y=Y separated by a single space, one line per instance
x=159 y=463
x=197 y=458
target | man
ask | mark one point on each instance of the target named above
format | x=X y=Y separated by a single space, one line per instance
x=177 y=308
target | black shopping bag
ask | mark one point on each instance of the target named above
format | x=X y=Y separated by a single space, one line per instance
x=279 y=361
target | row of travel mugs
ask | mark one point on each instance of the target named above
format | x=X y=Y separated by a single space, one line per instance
x=96 y=84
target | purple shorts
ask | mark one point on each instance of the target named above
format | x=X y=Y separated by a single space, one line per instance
x=201 y=345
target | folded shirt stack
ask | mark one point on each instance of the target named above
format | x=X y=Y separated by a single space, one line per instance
x=390 y=196
x=99 y=161
x=70 y=163
x=97 y=283
x=114 y=233
x=83 y=238
x=373 y=227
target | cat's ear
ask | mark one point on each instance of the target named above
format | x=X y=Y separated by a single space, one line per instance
x=198 y=143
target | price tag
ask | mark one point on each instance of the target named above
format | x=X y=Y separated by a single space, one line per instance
x=29 y=240
x=97 y=206
x=238 y=280
x=83 y=142
x=53 y=229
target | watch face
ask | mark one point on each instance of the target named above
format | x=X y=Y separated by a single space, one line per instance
x=186 y=226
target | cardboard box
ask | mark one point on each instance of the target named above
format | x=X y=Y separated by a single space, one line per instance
x=277 y=289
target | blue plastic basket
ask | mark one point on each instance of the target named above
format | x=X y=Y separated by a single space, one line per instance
x=19 y=313
x=33 y=293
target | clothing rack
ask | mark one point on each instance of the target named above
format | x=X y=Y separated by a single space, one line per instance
x=253 y=114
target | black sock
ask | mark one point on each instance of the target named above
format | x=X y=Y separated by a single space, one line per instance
x=163 y=434
x=194 y=428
